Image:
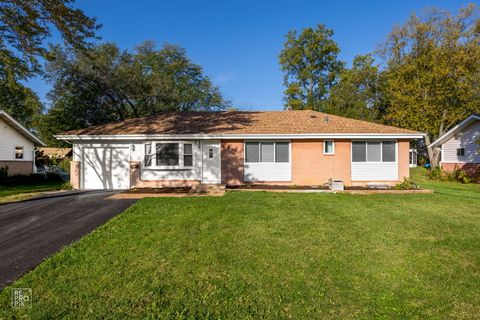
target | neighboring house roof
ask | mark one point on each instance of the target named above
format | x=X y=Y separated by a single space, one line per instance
x=57 y=152
x=240 y=123
x=20 y=128
x=459 y=127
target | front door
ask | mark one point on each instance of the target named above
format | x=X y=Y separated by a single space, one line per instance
x=211 y=162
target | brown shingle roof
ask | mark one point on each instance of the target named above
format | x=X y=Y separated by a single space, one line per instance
x=241 y=122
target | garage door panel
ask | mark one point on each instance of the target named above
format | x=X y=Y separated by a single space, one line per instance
x=106 y=168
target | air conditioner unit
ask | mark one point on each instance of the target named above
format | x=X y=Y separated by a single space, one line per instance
x=336 y=185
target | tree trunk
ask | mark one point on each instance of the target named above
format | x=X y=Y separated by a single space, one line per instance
x=434 y=153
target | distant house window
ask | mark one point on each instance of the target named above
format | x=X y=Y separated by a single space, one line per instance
x=373 y=151
x=461 y=152
x=328 y=147
x=269 y=152
x=18 y=152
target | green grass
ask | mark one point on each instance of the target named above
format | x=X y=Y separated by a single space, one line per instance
x=272 y=255
x=20 y=192
x=44 y=186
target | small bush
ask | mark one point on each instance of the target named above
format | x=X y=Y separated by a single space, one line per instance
x=406 y=184
x=67 y=186
x=3 y=173
x=53 y=177
x=65 y=165
x=457 y=175
x=461 y=176
x=436 y=173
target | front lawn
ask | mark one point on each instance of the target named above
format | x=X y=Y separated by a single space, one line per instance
x=272 y=255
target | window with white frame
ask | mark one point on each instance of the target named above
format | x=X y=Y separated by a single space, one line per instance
x=374 y=151
x=461 y=152
x=18 y=152
x=267 y=151
x=328 y=147
x=168 y=154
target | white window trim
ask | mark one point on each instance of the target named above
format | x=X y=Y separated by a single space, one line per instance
x=381 y=151
x=15 y=153
x=333 y=147
x=274 y=151
x=464 y=153
x=180 y=165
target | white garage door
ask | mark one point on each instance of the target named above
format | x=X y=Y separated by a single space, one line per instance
x=106 y=168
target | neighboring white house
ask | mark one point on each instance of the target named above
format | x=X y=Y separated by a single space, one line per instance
x=17 y=146
x=459 y=146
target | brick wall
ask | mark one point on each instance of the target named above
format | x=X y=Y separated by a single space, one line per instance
x=137 y=182
x=75 y=174
x=18 y=167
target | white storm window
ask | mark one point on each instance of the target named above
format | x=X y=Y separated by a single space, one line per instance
x=374 y=151
x=267 y=152
x=18 y=152
x=328 y=147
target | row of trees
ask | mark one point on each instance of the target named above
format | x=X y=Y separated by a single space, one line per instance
x=427 y=77
x=91 y=83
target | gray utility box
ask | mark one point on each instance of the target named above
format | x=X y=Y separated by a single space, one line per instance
x=337 y=185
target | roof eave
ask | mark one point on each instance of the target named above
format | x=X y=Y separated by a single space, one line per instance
x=10 y=120
x=440 y=140
x=243 y=136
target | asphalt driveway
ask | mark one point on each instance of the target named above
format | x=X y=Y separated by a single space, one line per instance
x=32 y=230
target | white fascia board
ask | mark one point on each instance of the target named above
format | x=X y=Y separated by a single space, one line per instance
x=238 y=136
x=454 y=130
x=9 y=119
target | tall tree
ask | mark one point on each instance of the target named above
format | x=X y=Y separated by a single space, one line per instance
x=108 y=85
x=25 y=24
x=24 y=27
x=20 y=102
x=311 y=67
x=433 y=72
x=358 y=91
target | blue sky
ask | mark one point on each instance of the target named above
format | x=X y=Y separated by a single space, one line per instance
x=238 y=42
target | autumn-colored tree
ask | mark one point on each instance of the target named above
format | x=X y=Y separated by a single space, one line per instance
x=433 y=72
x=311 y=67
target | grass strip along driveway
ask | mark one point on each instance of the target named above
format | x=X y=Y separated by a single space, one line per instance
x=271 y=255
x=21 y=192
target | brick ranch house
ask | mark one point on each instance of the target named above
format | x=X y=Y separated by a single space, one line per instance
x=17 y=146
x=460 y=146
x=234 y=148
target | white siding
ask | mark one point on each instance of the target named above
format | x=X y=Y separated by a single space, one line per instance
x=9 y=139
x=464 y=139
x=259 y=171
x=374 y=171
